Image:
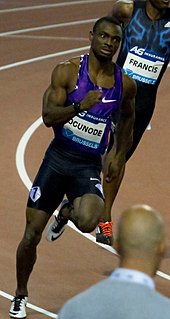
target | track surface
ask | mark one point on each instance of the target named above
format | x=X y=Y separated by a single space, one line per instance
x=34 y=37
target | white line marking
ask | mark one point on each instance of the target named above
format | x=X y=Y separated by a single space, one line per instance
x=43 y=57
x=46 y=27
x=21 y=151
x=62 y=4
x=93 y=239
x=40 y=37
x=29 y=305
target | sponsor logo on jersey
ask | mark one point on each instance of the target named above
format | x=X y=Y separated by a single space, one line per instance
x=107 y=101
x=137 y=50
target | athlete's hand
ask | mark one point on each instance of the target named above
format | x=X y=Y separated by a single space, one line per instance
x=92 y=98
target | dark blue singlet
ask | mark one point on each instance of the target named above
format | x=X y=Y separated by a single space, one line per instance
x=144 y=56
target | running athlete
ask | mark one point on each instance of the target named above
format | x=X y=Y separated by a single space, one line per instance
x=86 y=94
x=144 y=56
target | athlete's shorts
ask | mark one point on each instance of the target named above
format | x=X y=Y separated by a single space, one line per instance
x=59 y=176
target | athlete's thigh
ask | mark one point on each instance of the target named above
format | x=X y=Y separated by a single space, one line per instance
x=86 y=182
x=87 y=212
x=90 y=204
x=36 y=221
x=47 y=191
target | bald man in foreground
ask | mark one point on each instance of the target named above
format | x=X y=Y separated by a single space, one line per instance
x=130 y=290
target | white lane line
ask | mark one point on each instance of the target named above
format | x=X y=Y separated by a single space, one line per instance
x=55 y=5
x=21 y=151
x=29 y=305
x=41 y=37
x=47 y=27
x=43 y=57
x=93 y=239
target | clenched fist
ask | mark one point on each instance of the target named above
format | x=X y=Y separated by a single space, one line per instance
x=92 y=98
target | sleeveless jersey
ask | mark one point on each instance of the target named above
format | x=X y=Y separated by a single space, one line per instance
x=88 y=131
x=145 y=50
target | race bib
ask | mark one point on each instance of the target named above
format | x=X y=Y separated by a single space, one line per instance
x=82 y=131
x=143 y=66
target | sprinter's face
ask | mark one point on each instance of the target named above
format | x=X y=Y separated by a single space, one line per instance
x=105 y=40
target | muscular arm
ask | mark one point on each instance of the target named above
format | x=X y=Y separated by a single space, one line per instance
x=124 y=129
x=122 y=10
x=63 y=81
x=116 y=157
x=54 y=112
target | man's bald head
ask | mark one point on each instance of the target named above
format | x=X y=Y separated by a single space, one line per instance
x=141 y=230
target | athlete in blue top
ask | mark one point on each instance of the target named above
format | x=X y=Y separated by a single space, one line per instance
x=144 y=56
x=85 y=96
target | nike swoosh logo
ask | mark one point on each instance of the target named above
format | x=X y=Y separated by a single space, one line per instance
x=107 y=101
x=54 y=237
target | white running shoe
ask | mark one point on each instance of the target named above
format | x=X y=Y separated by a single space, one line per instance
x=57 y=227
x=18 y=307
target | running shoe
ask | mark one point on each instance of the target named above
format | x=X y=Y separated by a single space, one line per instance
x=57 y=227
x=104 y=233
x=18 y=307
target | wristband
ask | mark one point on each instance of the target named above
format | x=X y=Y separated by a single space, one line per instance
x=76 y=107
